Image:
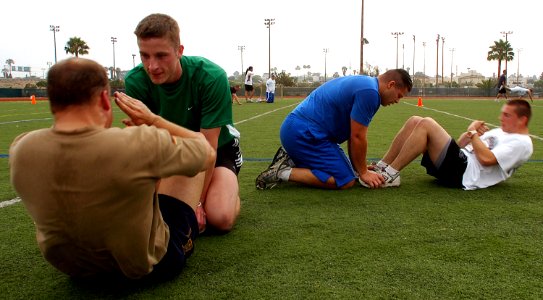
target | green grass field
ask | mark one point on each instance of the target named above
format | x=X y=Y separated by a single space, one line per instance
x=418 y=241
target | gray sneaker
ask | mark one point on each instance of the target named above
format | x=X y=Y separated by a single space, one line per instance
x=269 y=178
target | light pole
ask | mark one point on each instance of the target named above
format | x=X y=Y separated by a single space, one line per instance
x=325 y=50
x=442 y=58
x=133 y=60
x=424 y=66
x=452 y=57
x=413 y=57
x=518 y=64
x=269 y=23
x=113 y=41
x=506 y=33
x=241 y=48
x=362 y=38
x=437 y=59
x=55 y=29
x=396 y=34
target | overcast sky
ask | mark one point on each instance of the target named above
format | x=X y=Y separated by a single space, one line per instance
x=302 y=29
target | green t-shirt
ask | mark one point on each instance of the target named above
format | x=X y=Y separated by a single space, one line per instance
x=199 y=99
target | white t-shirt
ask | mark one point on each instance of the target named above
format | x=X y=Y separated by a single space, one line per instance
x=270 y=86
x=511 y=151
x=249 y=78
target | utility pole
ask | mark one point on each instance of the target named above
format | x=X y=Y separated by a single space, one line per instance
x=396 y=34
x=437 y=59
x=442 y=58
x=452 y=58
x=241 y=48
x=362 y=38
x=113 y=41
x=506 y=33
x=55 y=29
x=325 y=50
x=269 y=23
x=134 y=60
x=414 y=56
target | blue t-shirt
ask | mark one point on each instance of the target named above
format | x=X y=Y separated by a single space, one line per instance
x=330 y=107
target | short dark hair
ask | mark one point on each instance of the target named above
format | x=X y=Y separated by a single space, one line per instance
x=159 y=26
x=400 y=76
x=522 y=108
x=75 y=81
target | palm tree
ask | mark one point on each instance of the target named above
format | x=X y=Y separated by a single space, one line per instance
x=501 y=50
x=344 y=70
x=76 y=46
x=10 y=62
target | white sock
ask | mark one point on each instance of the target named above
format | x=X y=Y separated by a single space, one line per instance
x=285 y=174
x=391 y=171
x=381 y=164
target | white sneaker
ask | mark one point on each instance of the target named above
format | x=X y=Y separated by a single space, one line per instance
x=390 y=181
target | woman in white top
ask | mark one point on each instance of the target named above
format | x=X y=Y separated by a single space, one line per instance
x=249 y=89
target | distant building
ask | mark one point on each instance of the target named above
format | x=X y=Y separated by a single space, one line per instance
x=472 y=77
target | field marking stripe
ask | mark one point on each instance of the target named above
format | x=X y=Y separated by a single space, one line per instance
x=266 y=113
x=23 y=121
x=466 y=118
x=9 y=202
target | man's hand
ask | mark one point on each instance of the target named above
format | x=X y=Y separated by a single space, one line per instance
x=138 y=112
x=371 y=180
x=201 y=217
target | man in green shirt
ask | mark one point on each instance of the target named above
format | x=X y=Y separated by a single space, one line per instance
x=192 y=92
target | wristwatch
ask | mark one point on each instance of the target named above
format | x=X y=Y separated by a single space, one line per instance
x=471 y=133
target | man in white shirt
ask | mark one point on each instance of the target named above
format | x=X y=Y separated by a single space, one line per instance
x=478 y=159
x=521 y=92
x=270 y=89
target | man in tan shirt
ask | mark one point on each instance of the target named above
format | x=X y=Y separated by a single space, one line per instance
x=95 y=192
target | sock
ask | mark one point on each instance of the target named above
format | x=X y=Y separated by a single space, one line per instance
x=381 y=164
x=391 y=171
x=285 y=174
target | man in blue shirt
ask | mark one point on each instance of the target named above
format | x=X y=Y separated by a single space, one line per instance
x=338 y=111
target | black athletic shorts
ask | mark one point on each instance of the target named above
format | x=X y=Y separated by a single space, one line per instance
x=452 y=168
x=229 y=156
x=183 y=226
x=502 y=90
x=248 y=87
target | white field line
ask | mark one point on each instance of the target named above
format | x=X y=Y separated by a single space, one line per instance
x=16 y=200
x=466 y=118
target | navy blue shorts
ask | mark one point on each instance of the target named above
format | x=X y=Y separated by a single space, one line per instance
x=181 y=221
x=451 y=171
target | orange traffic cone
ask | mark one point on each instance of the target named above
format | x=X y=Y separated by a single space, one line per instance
x=33 y=99
x=420 y=102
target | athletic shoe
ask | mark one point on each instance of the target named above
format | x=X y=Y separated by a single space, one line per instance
x=390 y=181
x=269 y=178
x=279 y=155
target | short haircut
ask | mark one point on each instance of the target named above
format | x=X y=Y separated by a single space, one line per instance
x=159 y=26
x=522 y=108
x=75 y=81
x=400 y=76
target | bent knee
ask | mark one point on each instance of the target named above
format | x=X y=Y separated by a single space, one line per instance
x=223 y=222
x=348 y=185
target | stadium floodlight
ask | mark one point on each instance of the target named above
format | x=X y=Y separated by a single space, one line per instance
x=396 y=34
x=113 y=41
x=54 y=29
x=325 y=50
x=241 y=49
x=506 y=33
x=269 y=23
